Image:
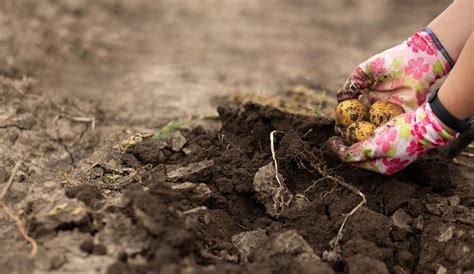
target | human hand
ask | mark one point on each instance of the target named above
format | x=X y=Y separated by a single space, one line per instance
x=396 y=144
x=402 y=74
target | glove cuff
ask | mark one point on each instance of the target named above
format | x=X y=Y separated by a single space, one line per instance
x=439 y=46
x=446 y=117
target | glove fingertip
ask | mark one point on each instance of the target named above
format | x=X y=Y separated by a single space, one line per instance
x=337 y=145
x=343 y=95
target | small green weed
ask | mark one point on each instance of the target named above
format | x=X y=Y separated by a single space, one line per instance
x=166 y=131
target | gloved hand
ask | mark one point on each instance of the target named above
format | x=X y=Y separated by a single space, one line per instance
x=397 y=143
x=402 y=74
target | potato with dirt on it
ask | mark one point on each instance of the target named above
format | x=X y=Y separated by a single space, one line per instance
x=383 y=111
x=358 y=132
x=351 y=111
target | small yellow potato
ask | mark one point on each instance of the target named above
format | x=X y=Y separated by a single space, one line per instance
x=383 y=111
x=358 y=132
x=351 y=111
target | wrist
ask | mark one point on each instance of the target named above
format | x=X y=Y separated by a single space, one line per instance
x=447 y=120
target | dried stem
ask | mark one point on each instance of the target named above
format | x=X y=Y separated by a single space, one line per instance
x=11 y=215
x=21 y=228
x=81 y=119
x=10 y=180
x=194 y=210
x=462 y=163
x=467 y=154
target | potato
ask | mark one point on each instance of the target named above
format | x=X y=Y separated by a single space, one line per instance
x=351 y=111
x=383 y=111
x=358 y=131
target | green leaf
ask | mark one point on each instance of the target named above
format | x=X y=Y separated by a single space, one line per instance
x=438 y=68
x=367 y=152
x=392 y=151
x=445 y=135
x=368 y=165
x=165 y=132
x=405 y=132
x=424 y=142
x=416 y=85
x=398 y=74
x=397 y=62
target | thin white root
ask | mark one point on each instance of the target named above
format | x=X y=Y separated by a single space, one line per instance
x=278 y=198
x=11 y=215
x=326 y=175
x=275 y=162
x=467 y=154
x=194 y=210
x=10 y=180
x=461 y=163
x=353 y=211
x=313 y=185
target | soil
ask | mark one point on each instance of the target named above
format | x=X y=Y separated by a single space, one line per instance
x=85 y=85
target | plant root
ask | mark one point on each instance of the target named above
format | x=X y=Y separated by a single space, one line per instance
x=467 y=154
x=318 y=165
x=462 y=163
x=278 y=198
x=11 y=214
x=194 y=210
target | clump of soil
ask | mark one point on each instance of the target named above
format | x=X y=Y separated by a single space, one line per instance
x=299 y=99
x=195 y=207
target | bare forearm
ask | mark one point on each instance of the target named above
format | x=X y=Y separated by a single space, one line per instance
x=454 y=25
x=457 y=92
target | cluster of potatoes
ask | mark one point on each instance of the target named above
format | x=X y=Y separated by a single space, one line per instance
x=358 y=121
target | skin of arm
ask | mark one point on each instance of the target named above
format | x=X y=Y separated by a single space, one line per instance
x=454 y=26
x=457 y=92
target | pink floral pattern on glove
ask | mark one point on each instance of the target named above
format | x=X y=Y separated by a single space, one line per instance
x=396 y=144
x=417 y=68
x=403 y=74
x=422 y=41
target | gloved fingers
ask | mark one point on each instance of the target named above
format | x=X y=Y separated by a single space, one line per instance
x=355 y=153
x=357 y=83
x=352 y=155
x=384 y=165
x=347 y=91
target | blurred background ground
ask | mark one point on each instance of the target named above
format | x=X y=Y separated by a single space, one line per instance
x=144 y=62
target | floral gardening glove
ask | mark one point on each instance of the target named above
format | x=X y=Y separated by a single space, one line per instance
x=402 y=74
x=396 y=144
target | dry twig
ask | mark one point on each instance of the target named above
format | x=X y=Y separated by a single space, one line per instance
x=194 y=210
x=81 y=119
x=462 y=163
x=21 y=228
x=10 y=180
x=11 y=214
x=467 y=154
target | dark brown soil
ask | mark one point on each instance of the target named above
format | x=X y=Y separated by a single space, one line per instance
x=386 y=235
